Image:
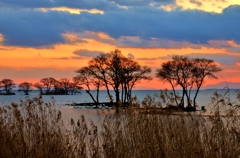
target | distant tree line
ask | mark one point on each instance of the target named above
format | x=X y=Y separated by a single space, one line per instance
x=7 y=85
x=62 y=86
x=45 y=86
x=119 y=73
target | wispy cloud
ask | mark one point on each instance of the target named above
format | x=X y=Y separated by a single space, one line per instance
x=87 y=53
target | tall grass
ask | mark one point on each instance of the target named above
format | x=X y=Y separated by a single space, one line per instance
x=33 y=128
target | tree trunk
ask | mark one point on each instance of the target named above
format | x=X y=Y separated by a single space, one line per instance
x=26 y=92
x=117 y=100
x=41 y=91
x=195 y=97
x=97 y=96
x=123 y=93
x=126 y=94
x=174 y=92
x=183 y=95
x=108 y=92
x=88 y=92
x=188 y=99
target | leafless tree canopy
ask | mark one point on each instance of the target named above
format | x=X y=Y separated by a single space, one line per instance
x=39 y=86
x=25 y=87
x=112 y=71
x=189 y=74
x=48 y=83
x=62 y=86
x=7 y=85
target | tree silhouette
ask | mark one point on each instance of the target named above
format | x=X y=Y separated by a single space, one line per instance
x=7 y=85
x=48 y=83
x=65 y=86
x=131 y=73
x=112 y=70
x=39 y=86
x=203 y=68
x=123 y=74
x=189 y=74
x=87 y=77
x=74 y=87
x=98 y=69
x=25 y=87
x=57 y=87
x=168 y=74
x=62 y=86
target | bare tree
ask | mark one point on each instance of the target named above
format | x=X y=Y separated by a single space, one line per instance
x=75 y=87
x=137 y=76
x=203 y=68
x=98 y=69
x=25 y=87
x=87 y=77
x=188 y=73
x=48 y=83
x=184 y=67
x=113 y=70
x=64 y=84
x=167 y=73
x=7 y=85
x=131 y=73
x=124 y=73
x=39 y=86
x=56 y=87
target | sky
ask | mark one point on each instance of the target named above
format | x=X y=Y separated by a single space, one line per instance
x=53 y=38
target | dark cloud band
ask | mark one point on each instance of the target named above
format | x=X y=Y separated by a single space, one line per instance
x=36 y=28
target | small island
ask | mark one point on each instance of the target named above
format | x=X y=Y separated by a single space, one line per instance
x=115 y=71
x=7 y=85
x=11 y=93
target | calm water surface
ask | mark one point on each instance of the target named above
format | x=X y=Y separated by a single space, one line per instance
x=204 y=99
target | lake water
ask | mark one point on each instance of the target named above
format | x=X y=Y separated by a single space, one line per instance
x=203 y=99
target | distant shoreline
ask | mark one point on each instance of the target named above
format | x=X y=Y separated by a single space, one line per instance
x=8 y=93
x=202 y=89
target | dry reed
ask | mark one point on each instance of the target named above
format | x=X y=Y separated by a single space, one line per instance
x=33 y=128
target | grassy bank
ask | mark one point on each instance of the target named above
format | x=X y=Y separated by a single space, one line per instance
x=33 y=128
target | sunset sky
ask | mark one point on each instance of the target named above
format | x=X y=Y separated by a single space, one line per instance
x=53 y=38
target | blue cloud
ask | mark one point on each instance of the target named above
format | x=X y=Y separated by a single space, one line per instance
x=142 y=2
x=190 y=25
x=82 y=4
x=35 y=28
x=87 y=53
x=222 y=58
x=31 y=28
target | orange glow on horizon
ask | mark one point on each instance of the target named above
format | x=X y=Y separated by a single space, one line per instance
x=61 y=57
